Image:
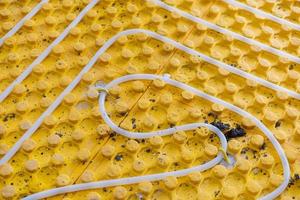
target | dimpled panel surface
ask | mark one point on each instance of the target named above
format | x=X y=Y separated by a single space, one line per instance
x=284 y=9
x=74 y=145
x=12 y=11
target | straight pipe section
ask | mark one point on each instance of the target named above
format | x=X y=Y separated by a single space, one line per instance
x=227 y=32
x=17 y=27
x=47 y=51
x=263 y=14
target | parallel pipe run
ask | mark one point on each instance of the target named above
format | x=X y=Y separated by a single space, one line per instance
x=132 y=180
x=219 y=29
x=59 y=99
x=12 y=31
x=165 y=6
x=153 y=177
x=263 y=14
x=11 y=152
x=47 y=51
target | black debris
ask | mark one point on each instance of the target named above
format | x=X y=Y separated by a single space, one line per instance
x=213 y=114
x=217 y=193
x=220 y=125
x=263 y=147
x=118 y=157
x=278 y=123
x=133 y=120
x=9 y=116
x=229 y=133
x=172 y=125
x=238 y=131
x=293 y=179
x=112 y=135
x=59 y=134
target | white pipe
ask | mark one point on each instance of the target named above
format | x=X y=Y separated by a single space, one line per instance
x=59 y=99
x=28 y=133
x=163 y=5
x=46 y=52
x=11 y=152
x=263 y=14
x=138 y=179
x=166 y=78
x=22 y=21
x=219 y=29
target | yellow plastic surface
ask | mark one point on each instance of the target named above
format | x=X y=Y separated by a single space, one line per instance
x=11 y=11
x=281 y=8
x=36 y=34
x=75 y=146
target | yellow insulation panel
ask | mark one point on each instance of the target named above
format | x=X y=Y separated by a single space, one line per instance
x=74 y=145
x=284 y=9
x=11 y=11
